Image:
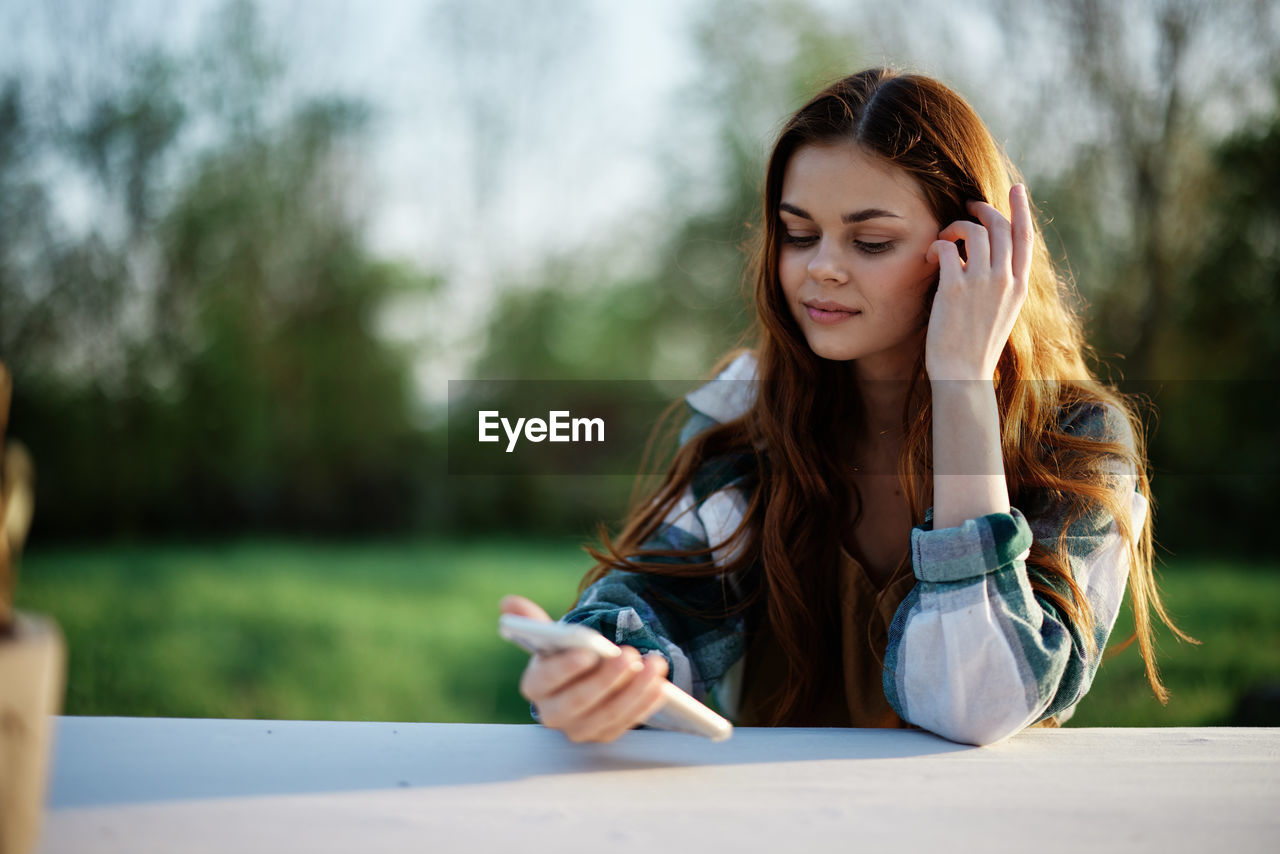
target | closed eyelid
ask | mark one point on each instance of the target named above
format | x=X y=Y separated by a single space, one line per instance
x=875 y=247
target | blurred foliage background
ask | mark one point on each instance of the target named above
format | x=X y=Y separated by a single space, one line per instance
x=242 y=498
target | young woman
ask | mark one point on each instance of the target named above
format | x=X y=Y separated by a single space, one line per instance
x=910 y=503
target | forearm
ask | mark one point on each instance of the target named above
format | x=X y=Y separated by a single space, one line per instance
x=968 y=479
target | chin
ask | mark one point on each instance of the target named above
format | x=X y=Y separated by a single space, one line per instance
x=835 y=351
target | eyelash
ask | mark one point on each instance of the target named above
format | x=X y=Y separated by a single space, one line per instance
x=868 y=248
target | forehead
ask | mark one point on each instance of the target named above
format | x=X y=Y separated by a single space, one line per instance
x=842 y=177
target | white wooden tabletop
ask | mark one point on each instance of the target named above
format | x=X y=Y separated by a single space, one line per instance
x=168 y=785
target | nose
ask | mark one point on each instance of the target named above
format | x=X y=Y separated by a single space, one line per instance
x=828 y=263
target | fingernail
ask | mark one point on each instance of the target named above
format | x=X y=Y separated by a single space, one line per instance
x=1020 y=189
x=637 y=666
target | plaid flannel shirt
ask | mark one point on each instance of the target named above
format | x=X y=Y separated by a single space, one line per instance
x=973 y=653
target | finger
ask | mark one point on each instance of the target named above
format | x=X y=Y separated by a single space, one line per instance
x=566 y=706
x=635 y=703
x=977 y=244
x=544 y=675
x=630 y=706
x=999 y=232
x=1023 y=230
x=945 y=254
x=523 y=607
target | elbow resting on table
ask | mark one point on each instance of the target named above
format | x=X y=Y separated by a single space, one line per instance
x=971 y=718
x=979 y=732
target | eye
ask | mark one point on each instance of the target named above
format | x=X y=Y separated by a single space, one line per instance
x=799 y=239
x=873 y=248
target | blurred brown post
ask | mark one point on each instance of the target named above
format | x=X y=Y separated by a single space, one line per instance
x=32 y=661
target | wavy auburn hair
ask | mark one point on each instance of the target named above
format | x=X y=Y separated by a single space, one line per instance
x=801 y=492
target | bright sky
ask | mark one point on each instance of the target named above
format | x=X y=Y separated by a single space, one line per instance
x=604 y=78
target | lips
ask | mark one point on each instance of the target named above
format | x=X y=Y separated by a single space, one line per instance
x=826 y=311
x=828 y=305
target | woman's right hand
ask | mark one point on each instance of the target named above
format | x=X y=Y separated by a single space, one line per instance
x=586 y=697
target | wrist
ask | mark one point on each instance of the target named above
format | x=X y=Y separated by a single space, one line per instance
x=958 y=369
x=968 y=465
x=959 y=387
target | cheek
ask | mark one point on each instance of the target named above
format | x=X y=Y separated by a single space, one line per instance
x=913 y=284
x=791 y=271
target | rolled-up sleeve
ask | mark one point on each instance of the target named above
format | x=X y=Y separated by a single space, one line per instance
x=974 y=654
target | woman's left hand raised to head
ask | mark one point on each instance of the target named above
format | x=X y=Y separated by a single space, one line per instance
x=978 y=298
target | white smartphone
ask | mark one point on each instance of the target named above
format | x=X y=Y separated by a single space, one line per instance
x=680 y=712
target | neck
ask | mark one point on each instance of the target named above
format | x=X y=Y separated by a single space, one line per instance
x=882 y=402
x=882 y=390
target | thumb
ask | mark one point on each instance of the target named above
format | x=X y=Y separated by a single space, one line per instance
x=523 y=607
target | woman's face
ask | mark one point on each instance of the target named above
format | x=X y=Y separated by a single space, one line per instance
x=854 y=231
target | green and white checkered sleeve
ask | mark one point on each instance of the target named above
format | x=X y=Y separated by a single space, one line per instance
x=660 y=612
x=974 y=654
x=646 y=611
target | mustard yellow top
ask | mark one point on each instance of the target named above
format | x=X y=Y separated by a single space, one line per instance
x=865 y=614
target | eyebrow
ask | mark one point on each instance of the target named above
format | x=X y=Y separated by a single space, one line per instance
x=848 y=219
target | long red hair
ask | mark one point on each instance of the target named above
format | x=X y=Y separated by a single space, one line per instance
x=800 y=492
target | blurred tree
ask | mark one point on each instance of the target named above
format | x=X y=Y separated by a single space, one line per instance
x=127 y=133
x=1142 y=94
x=303 y=412
x=1232 y=309
x=1217 y=436
x=24 y=221
x=56 y=294
x=206 y=355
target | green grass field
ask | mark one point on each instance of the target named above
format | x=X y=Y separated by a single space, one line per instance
x=406 y=631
